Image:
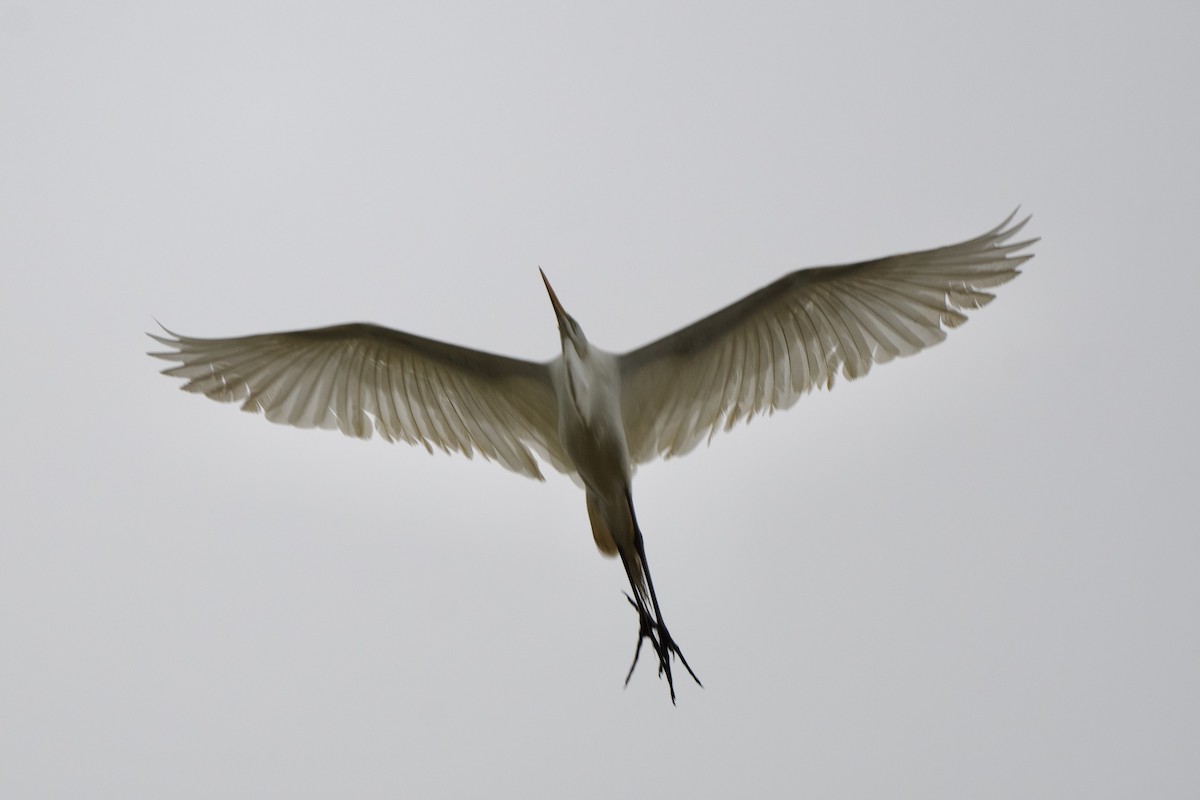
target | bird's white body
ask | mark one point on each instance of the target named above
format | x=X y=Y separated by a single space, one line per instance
x=591 y=429
x=590 y=426
x=595 y=415
x=592 y=433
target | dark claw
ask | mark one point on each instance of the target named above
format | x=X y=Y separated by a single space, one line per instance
x=664 y=647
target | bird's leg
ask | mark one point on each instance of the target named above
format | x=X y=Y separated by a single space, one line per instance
x=647 y=628
x=664 y=644
x=655 y=630
x=651 y=627
x=645 y=631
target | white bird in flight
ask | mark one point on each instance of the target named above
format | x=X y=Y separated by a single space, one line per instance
x=596 y=415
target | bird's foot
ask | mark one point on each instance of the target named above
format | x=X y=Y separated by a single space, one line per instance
x=655 y=630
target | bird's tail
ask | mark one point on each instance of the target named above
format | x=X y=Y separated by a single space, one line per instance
x=605 y=542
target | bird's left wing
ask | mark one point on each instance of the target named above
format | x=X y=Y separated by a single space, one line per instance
x=361 y=377
x=770 y=347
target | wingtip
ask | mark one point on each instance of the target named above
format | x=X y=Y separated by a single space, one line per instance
x=1007 y=230
x=1004 y=226
x=171 y=340
x=156 y=337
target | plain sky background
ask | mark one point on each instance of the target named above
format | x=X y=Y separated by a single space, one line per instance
x=972 y=574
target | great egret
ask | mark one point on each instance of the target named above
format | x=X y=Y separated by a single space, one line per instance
x=595 y=415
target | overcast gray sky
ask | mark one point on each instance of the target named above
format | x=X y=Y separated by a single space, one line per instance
x=973 y=574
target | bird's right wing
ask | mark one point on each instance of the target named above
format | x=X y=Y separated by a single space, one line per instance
x=770 y=347
x=358 y=377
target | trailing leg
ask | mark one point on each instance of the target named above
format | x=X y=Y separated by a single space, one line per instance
x=651 y=627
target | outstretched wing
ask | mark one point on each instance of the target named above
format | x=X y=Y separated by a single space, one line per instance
x=361 y=377
x=766 y=350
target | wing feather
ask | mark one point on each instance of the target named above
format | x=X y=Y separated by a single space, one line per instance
x=795 y=335
x=360 y=378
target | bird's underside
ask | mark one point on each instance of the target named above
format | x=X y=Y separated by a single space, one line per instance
x=755 y=356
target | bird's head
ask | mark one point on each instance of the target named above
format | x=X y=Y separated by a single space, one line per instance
x=568 y=328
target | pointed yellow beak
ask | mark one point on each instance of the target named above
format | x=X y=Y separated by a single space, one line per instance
x=559 y=311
